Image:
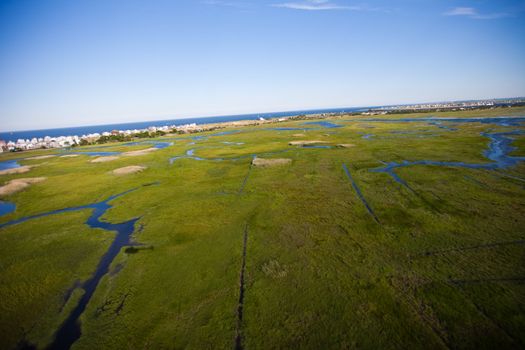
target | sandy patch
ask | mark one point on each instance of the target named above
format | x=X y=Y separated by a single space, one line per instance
x=104 y=159
x=345 y=145
x=18 y=185
x=69 y=156
x=41 y=157
x=298 y=135
x=261 y=162
x=139 y=153
x=303 y=143
x=132 y=169
x=19 y=170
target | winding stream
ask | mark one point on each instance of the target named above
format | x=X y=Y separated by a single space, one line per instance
x=498 y=152
x=190 y=155
x=70 y=331
x=155 y=144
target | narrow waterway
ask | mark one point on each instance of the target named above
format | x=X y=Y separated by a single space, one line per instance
x=359 y=193
x=70 y=331
x=498 y=152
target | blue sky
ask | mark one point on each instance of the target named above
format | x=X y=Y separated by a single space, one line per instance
x=84 y=62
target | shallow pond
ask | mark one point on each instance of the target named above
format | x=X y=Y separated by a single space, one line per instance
x=6 y=208
x=156 y=144
x=285 y=128
x=222 y=133
x=324 y=124
x=9 y=164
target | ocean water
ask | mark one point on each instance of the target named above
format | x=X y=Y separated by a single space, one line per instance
x=84 y=130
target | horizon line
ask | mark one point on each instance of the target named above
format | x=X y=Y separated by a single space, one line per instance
x=255 y=113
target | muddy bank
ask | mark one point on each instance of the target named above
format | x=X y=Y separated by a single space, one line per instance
x=305 y=142
x=115 y=155
x=104 y=159
x=140 y=152
x=41 y=157
x=262 y=162
x=345 y=145
x=19 y=170
x=132 y=169
x=17 y=185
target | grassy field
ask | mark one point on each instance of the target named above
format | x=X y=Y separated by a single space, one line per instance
x=443 y=266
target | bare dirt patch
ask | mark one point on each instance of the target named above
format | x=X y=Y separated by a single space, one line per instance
x=132 y=169
x=303 y=142
x=17 y=185
x=140 y=152
x=104 y=159
x=19 y=170
x=69 y=156
x=345 y=145
x=41 y=157
x=262 y=162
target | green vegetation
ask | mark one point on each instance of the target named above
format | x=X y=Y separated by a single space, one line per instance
x=442 y=268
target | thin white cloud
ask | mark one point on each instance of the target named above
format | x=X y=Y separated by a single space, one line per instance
x=237 y=4
x=462 y=11
x=473 y=13
x=315 y=5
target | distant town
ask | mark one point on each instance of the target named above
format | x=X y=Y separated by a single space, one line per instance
x=155 y=131
x=454 y=106
x=95 y=138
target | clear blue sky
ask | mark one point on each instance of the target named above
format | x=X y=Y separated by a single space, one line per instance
x=84 y=62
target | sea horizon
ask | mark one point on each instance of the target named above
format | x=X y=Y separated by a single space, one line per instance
x=90 y=129
x=99 y=128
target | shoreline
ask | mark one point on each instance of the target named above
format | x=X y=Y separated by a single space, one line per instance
x=208 y=127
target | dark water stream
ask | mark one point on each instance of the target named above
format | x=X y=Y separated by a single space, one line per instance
x=359 y=193
x=70 y=330
x=317 y=146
